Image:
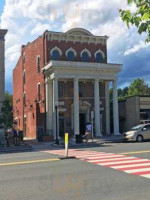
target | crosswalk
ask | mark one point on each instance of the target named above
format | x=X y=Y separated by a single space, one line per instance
x=127 y=164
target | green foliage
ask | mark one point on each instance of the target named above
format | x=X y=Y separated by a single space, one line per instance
x=6 y=117
x=140 y=18
x=138 y=87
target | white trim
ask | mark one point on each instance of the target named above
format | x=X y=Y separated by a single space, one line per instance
x=99 y=51
x=80 y=30
x=73 y=50
x=56 y=48
x=38 y=84
x=82 y=65
x=87 y=51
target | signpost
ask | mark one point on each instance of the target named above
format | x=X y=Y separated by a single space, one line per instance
x=66 y=145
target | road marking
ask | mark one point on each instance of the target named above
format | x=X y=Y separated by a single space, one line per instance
x=121 y=162
x=123 y=167
x=29 y=162
x=136 y=152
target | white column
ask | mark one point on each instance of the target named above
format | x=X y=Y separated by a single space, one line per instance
x=76 y=107
x=97 y=108
x=49 y=106
x=115 y=108
x=107 y=106
x=55 y=100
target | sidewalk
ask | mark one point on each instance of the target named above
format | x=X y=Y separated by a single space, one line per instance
x=112 y=139
x=72 y=143
x=12 y=149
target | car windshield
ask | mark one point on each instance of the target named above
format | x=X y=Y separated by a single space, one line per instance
x=137 y=127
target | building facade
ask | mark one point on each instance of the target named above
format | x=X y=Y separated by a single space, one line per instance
x=65 y=77
x=2 y=66
x=133 y=111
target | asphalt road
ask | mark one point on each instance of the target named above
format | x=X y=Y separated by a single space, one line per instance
x=38 y=175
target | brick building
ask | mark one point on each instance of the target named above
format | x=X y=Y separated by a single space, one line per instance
x=66 y=67
x=2 y=66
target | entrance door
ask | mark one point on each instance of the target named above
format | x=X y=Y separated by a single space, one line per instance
x=82 y=123
x=61 y=127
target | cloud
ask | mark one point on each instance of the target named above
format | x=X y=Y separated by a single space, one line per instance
x=27 y=19
x=38 y=29
x=136 y=48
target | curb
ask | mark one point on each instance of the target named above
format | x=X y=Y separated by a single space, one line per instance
x=12 y=150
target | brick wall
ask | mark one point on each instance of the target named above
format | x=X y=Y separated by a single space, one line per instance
x=78 y=48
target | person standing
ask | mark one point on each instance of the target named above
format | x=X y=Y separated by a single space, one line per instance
x=16 y=137
x=88 y=132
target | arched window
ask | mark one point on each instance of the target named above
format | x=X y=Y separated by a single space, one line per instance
x=85 y=55
x=56 y=53
x=99 y=58
x=38 y=64
x=71 y=54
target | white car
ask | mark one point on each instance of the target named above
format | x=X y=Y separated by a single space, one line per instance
x=137 y=133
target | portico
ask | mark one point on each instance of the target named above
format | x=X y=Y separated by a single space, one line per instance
x=75 y=72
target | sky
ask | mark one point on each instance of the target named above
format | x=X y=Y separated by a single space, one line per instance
x=27 y=19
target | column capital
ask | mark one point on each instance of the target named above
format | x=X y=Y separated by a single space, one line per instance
x=96 y=79
x=76 y=78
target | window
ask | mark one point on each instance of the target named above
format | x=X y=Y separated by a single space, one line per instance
x=99 y=58
x=24 y=77
x=24 y=58
x=56 y=53
x=38 y=64
x=24 y=99
x=70 y=56
x=85 y=55
x=81 y=89
x=39 y=91
x=61 y=89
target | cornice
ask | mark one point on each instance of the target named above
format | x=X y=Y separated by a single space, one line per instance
x=2 y=33
x=76 y=38
x=83 y=65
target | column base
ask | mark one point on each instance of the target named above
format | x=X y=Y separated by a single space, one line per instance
x=117 y=133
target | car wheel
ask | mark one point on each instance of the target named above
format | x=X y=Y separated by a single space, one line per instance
x=139 y=138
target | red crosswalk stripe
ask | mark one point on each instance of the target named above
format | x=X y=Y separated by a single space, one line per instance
x=127 y=164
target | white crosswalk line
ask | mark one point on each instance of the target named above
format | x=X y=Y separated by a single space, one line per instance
x=137 y=170
x=110 y=159
x=106 y=156
x=120 y=162
x=129 y=166
x=146 y=175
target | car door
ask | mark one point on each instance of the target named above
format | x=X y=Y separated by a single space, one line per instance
x=146 y=131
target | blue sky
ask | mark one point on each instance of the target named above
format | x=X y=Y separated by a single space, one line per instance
x=27 y=19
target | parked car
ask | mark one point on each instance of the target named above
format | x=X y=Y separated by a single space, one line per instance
x=137 y=133
x=145 y=121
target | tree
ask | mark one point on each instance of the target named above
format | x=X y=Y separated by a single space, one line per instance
x=140 y=18
x=6 y=117
x=138 y=87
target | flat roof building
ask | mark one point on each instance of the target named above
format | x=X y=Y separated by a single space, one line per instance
x=2 y=66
